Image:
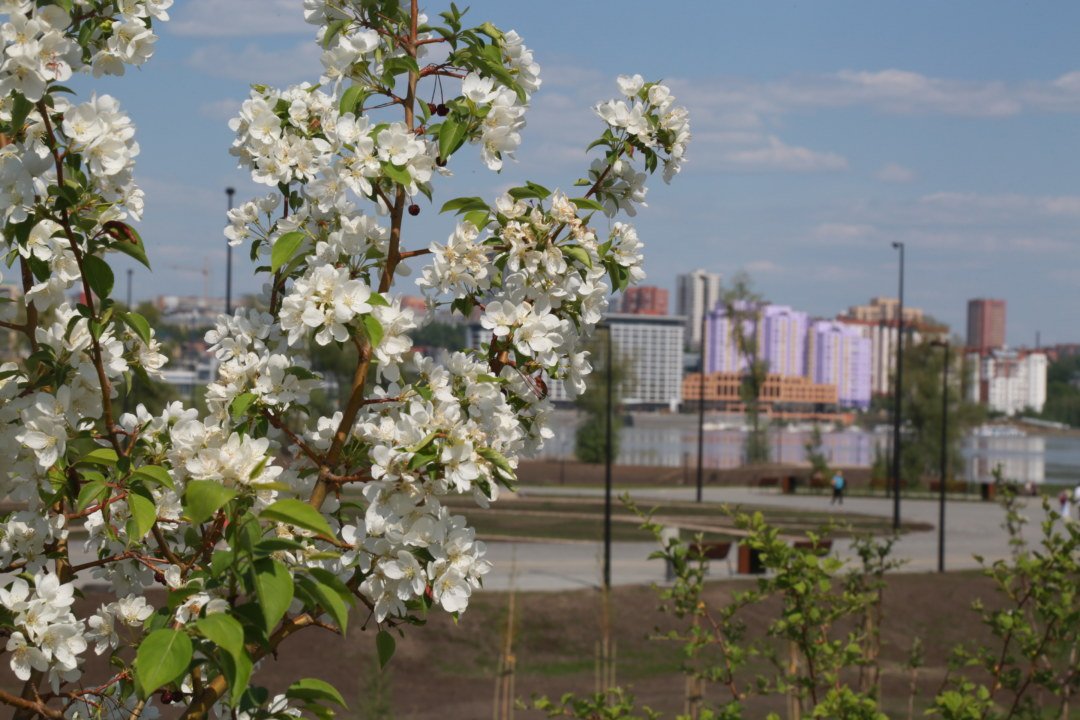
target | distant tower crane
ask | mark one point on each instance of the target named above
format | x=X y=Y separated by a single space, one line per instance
x=204 y=271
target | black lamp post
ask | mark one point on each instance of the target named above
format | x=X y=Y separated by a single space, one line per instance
x=701 y=395
x=608 y=459
x=944 y=454
x=899 y=387
x=229 y=192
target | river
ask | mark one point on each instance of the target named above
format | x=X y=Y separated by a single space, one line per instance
x=671 y=441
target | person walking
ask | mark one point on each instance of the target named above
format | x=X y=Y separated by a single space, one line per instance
x=1065 y=498
x=838 y=484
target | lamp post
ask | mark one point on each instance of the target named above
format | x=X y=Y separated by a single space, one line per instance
x=229 y=192
x=130 y=272
x=607 y=463
x=701 y=388
x=944 y=454
x=899 y=386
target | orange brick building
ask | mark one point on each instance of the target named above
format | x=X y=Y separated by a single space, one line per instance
x=783 y=397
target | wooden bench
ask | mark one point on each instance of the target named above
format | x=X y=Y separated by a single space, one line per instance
x=716 y=550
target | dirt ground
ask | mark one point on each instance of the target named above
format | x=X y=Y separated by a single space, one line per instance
x=447 y=670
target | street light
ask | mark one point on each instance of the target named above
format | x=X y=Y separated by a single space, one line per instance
x=944 y=454
x=607 y=462
x=229 y=192
x=701 y=395
x=899 y=386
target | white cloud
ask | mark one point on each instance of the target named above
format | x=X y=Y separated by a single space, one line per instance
x=224 y=109
x=258 y=64
x=238 y=18
x=978 y=206
x=763 y=266
x=893 y=173
x=776 y=155
x=843 y=233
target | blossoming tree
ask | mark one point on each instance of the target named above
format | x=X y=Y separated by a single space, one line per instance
x=261 y=520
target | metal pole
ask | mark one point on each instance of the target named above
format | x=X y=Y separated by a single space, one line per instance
x=899 y=388
x=701 y=395
x=229 y=192
x=607 y=467
x=130 y=272
x=944 y=460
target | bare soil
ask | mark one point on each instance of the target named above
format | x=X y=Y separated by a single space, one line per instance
x=447 y=669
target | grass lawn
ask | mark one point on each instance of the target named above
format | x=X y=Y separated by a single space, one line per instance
x=581 y=519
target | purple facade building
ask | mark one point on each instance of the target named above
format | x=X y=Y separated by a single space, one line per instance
x=838 y=354
x=781 y=342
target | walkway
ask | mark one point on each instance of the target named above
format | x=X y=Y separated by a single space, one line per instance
x=971 y=528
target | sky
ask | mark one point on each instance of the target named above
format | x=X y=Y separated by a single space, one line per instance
x=824 y=130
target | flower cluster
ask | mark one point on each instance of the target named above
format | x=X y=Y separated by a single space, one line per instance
x=47 y=636
x=266 y=512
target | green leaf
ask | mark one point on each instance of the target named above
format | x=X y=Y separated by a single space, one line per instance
x=20 y=109
x=143 y=514
x=497 y=459
x=398 y=174
x=98 y=275
x=587 y=204
x=377 y=300
x=284 y=249
x=228 y=634
x=577 y=253
x=91 y=493
x=274 y=589
x=155 y=474
x=224 y=631
x=329 y=600
x=313 y=690
x=101 y=456
x=203 y=498
x=374 y=330
x=451 y=137
x=386 y=645
x=351 y=99
x=479 y=218
x=162 y=658
x=139 y=324
x=298 y=513
x=131 y=244
x=241 y=403
x=465 y=204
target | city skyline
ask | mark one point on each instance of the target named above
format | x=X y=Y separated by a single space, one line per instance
x=822 y=134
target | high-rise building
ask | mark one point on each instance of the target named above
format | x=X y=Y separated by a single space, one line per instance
x=1008 y=381
x=882 y=336
x=838 y=354
x=645 y=300
x=651 y=350
x=781 y=341
x=985 y=324
x=696 y=294
x=884 y=309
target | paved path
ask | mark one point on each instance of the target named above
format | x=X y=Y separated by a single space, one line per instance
x=971 y=528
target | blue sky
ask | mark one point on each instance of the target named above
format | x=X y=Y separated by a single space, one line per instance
x=823 y=131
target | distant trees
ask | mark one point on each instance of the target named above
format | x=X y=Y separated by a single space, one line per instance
x=921 y=411
x=742 y=306
x=590 y=444
x=1063 y=391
